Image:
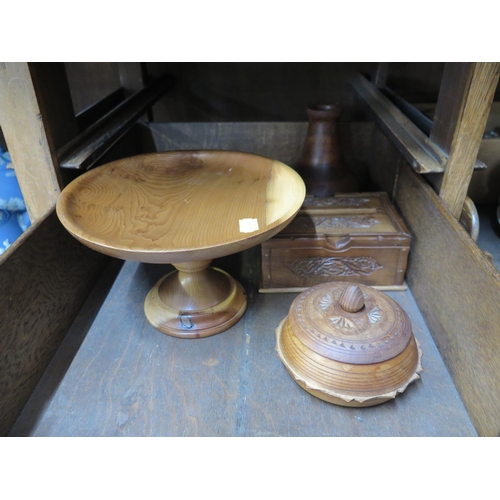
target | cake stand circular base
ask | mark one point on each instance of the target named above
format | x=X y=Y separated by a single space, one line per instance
x=195 y=307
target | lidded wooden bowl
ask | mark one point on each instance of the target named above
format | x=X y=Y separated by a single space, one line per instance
x=349 y=344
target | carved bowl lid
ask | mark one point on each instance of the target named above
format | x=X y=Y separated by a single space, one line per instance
x=350 y=323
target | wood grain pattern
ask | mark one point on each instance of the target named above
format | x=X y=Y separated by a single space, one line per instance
x=458 y=292
x=193 y=304
x=351 y=299
x=128 y=379
x=450 y=104
x=29 y=142
x=347 y=385
x=378 y=332
x=46 y=276
x=358 y=237
x=181 y=206
x=476 y=90
x=184 y=208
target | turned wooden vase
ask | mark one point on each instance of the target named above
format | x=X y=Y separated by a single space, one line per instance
x=349 y=344
x=321 y=164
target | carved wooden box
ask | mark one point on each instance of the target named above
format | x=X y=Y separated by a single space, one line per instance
x=350 y=237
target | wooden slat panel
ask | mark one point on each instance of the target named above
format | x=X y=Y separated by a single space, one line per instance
x=31 y=148
x=461 y=115
x=45 y=276
x=282 y=141
x=458 y=291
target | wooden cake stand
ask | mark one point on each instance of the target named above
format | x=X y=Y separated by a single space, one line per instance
x=184 y=208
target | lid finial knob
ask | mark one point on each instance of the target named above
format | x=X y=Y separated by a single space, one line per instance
x=351 y=299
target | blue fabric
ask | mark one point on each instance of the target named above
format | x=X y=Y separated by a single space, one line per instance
x=14 y=219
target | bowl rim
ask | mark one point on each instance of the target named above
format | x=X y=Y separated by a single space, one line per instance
x=171 y=255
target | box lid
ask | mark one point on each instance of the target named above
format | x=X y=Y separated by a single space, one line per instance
x=357 y=213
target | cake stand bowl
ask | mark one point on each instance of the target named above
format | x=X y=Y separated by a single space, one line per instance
x=184 y=208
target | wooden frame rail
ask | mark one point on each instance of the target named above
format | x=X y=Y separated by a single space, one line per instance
x=34 y=128
x=424 y=123
x=422 y=154
x=465 y=98
x=464 y=103
x=85 y=149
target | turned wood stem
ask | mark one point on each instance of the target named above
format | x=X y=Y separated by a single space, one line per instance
x=195 y=286
x=192 y=267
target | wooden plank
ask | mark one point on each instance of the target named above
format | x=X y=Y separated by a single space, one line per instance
x=46 y=276
x=54 y=99
x=467 y=92
x=450 y=103
x=28 y=139
x=128 y=379
x=63 y=357
x=458 y=291
x=92 y=143
x=282 y=141
x=422 y=154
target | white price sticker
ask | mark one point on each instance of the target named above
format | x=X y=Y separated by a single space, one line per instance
x=249 y=225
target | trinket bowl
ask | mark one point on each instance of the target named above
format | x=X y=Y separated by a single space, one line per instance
x=349 y=344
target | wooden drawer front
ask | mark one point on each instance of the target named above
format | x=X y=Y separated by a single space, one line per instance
x=307 y=265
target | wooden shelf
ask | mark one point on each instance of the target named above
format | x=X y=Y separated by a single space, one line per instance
x=121 y=377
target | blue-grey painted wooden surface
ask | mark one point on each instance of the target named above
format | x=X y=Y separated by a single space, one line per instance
x=128 y=379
